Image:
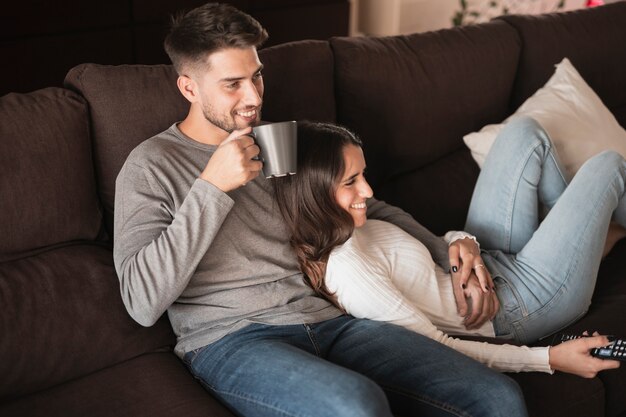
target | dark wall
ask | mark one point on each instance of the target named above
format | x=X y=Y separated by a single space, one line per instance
x=41 y=40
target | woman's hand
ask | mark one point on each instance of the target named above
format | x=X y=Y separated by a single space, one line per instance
x=471 y=280
x=483 y=306
x=464 y=254
x=573 y=357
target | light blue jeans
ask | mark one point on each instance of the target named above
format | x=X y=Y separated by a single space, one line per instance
x=349 y=367
x=544 y=270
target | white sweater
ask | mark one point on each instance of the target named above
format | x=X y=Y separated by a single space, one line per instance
x=382 y=273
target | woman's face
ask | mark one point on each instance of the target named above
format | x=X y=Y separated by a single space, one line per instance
x=353 y=189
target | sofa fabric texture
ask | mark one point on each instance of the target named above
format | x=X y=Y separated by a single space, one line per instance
x=428 y=89
x=46 y=173
x=68 y=346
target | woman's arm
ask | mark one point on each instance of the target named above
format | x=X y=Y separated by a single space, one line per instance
x=374 y=296
x=573 y=357
x=484 y=305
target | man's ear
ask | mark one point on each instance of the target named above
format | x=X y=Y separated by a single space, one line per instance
x=188 y=88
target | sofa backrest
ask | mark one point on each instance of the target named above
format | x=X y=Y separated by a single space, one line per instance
x=593 y=39
x=130 y=103
x=47 y=185
x=127 y=104
x=61 y=313
x=412 y=98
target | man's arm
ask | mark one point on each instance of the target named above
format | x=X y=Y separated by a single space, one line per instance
x=157 y=248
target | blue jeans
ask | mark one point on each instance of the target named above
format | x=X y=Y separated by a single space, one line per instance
x=544 y=269
x=349 y=367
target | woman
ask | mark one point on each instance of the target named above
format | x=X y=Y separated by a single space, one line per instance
x=544 y=273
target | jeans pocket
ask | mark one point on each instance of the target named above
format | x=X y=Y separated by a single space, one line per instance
x=190 y=356
x=510 y=300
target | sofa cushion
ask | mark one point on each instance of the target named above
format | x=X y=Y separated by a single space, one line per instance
x=561 y=395
x=578 y=123
x=47 y=182
x=130 y=103
x=299 y=82
x=151 y=385
x=127 y=104
x=606 y=315
x=63 y=317
x=411 y=99
x=593 y=39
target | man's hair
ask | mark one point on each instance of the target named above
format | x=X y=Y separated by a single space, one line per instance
x=206 y=29
x=316 y=221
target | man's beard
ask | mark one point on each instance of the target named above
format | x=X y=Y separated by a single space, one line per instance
x=227 y=123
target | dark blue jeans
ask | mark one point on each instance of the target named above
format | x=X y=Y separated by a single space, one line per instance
x=349 y=367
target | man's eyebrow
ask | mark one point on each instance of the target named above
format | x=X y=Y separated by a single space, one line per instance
x=233 y=79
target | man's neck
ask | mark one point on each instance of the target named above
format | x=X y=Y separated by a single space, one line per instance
x=201 y=130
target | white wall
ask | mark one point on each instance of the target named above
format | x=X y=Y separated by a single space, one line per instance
x=391 y=17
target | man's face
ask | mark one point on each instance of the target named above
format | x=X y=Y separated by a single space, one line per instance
x=231 y=91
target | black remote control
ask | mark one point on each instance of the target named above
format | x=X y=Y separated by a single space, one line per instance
x=615 y=350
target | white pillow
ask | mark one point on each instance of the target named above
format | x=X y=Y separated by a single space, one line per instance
x=577 y=121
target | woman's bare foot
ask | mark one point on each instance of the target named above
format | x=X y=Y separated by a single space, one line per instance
x=615 y=233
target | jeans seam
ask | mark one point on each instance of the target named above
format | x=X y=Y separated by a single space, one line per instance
x=511 y=202
x=577 y=259
x=311 y=336
x=195 y=354
x=560 y=289
x=254 y=401
x=444 y=406
x=239 y=395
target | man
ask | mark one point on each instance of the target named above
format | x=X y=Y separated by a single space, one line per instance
x=197 y=235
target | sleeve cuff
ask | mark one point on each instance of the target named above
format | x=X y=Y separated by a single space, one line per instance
x=453 y=236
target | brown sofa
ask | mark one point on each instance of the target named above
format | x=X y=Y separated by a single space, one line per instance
x=67 y=346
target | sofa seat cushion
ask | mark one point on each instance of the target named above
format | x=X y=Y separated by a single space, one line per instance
x=561 y=395
x=47 y=182
x=606 y=315
x=62 y=317
x=151 y=385
x=412 y=98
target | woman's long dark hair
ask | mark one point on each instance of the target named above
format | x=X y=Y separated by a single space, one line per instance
x=307 y=200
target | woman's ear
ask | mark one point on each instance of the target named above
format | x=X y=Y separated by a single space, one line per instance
x=188 y=88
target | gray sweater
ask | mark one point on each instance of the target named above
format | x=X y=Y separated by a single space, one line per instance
x=214 y=261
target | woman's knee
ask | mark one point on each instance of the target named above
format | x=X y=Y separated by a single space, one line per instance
x=521 y=136
x=609 y=159
x=527 y=128
x=608 y=165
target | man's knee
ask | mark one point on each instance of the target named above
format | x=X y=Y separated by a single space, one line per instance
x=357 y=396
x=505 y=398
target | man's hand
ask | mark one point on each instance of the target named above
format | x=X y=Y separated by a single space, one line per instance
x=471 y=280
x=232 y=165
